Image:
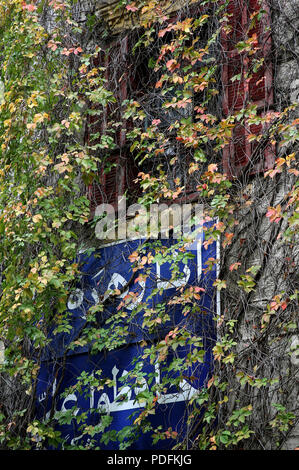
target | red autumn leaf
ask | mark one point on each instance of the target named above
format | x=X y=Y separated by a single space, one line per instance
x=162 y=32
x=172 y=64
x=274 y=305
x=234 y=266
x=77 y=50
x=155 y=122
x=29 y=7
x=272 y=173
x=131 y=7
x=199 y=289
x=183 y=103
x=274 y=214
x=66 y=52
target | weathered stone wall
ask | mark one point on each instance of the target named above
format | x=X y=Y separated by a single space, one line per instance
x=285 y=36
x=286 y=49
x=257 y=241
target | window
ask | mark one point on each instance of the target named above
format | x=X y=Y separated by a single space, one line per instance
x=246 y=77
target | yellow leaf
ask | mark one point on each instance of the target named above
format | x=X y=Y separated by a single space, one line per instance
x=7 y=123
x=36 y=218
x=56 y=224
x=43 y=117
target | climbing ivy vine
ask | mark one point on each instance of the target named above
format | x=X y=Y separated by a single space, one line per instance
x=52 y=84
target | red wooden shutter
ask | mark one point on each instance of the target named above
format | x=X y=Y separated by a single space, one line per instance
x=243 y=84
x=112 y=179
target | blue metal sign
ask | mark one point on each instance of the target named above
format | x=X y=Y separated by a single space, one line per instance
x=119 y=396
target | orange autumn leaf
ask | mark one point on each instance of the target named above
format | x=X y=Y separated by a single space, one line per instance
x=133 y=256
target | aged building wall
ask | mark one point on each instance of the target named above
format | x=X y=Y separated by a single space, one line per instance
x=257 y=242
x=286 y=43
x=285 y=19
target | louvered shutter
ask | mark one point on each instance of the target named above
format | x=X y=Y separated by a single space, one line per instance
x=112 y=179
x=242 y=83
